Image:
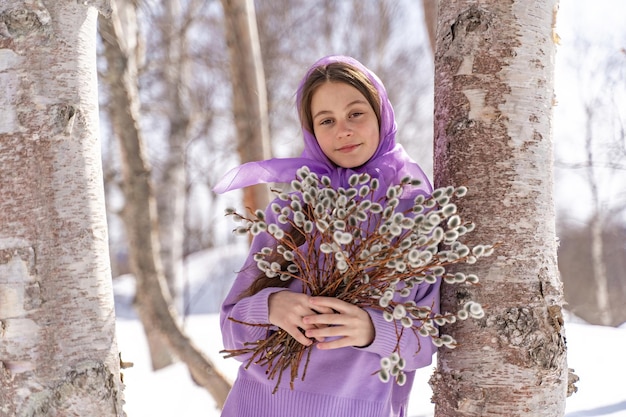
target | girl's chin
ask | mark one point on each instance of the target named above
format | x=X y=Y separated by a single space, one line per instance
x=352 y=164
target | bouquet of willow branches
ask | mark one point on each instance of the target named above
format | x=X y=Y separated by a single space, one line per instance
x=368 y=253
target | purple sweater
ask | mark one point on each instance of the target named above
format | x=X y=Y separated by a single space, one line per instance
x=338 y=382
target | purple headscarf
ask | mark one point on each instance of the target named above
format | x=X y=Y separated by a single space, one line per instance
x=390 y=163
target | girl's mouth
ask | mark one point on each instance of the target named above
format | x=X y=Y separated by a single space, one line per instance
x=349 y=148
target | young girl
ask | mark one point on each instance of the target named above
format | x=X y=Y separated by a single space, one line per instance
x=349 y=127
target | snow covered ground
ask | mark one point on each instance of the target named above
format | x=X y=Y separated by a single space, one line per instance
x=596 y=353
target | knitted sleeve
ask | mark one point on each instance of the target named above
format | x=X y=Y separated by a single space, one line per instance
x=251 y=309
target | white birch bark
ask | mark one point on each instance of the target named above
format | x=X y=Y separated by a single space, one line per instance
x=58 y=351
x=493 y=98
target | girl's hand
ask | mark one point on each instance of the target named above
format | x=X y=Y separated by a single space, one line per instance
x=287 y=310
x=351 y=324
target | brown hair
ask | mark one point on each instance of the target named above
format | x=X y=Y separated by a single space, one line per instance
x=338 y=72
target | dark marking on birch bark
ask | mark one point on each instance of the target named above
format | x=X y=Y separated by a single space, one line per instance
x=26 y=254
x=514 y=325
x=463 y=295
x=572 y=379
x=31 y=18
x=33 y=299
x=63 y=117
x=5 y=35
x=4 y=372
x=459 y=125
x=466 y=397
x=32 y=289
x=521 y=327
x=556 y=317
x=469 y=21
x=86 y=380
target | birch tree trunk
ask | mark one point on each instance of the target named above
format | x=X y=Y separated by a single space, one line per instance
x=493 y=98
x=58 y=350
x=249 y=92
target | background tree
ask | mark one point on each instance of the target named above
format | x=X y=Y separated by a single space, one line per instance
x=430 y=20
x=599 y=164
x=58 y=349
x=120 y=35
x=576 y=266
x=596 y=224
x=249 y=96
x=140 y=214
x=493 y=100
x=177 y=115
x=178 y=111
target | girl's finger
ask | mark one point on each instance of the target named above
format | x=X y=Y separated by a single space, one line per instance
x=297 y=334
x=331 y=304
x=323 y=320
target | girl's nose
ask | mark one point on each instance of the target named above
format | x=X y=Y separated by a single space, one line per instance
x=344 y=130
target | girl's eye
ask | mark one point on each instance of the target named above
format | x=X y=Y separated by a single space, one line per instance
x=356 y=114
x=325 y=122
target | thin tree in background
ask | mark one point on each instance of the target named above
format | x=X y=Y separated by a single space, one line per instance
x=171 y=195
x=605 y=150
x=596 y=223
x=120 y=39
x=58 y=349
x=576 y=266
x=601 y=81
x=429 y=8
x=493 y=99
x=140 y=216
x=249 y=94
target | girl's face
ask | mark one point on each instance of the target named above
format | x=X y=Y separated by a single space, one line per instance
x=344 y=124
